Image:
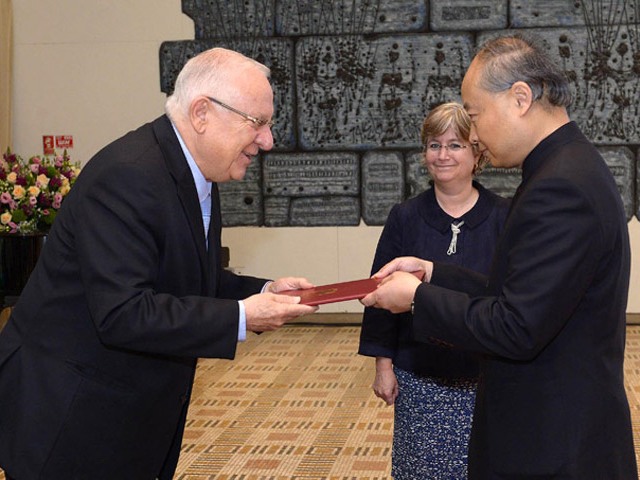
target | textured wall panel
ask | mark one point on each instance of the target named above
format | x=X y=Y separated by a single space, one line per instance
x=621 y=162
x=352 y=17
x=311 y=174
x=460 y=14
x=356 y=93
x=325 y=211
x=277 y=211
x=566 y=13
x=503 y=181
x=550 y=13
x=603 y=67
x=382 y=185
x=241 y=201
x=416 y=174
x=228 y=19
x=275 y=53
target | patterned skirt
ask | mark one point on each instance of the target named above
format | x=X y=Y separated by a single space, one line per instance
x=431 y=427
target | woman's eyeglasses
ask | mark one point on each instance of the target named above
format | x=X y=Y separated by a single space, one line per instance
x=436 y=147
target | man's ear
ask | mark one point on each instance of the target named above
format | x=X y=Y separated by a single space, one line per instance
x=199 y=114
x=523 y=95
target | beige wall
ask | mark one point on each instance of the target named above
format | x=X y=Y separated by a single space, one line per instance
x=6 y=49
x=90 y=69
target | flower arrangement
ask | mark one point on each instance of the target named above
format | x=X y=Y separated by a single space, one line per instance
x=32 y=192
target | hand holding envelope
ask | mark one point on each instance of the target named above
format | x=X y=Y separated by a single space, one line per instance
x=270 y=310
x=397 y=287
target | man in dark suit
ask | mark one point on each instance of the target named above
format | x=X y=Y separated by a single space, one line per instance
x=550 y=318
x=98 y=358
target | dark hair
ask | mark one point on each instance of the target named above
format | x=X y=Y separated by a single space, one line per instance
x=513 y=58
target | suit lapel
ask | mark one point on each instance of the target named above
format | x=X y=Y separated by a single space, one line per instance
x=185 y=187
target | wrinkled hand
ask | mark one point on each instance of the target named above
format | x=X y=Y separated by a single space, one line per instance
x=385 y=384
x=289 y=283
x=269 y=311
x=395 y=293
x=406 y=264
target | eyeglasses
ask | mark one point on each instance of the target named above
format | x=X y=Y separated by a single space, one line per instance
x=258 y=122
x=436 y=147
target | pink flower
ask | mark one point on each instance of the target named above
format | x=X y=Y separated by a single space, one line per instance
x=5 y=197
x=57 y=201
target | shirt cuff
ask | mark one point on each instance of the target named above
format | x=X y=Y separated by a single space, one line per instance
x=242 y=323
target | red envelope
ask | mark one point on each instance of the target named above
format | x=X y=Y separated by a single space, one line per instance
x=338 y=292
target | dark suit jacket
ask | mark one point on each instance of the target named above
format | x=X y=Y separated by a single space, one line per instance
x=98 y=358
x=550 y=320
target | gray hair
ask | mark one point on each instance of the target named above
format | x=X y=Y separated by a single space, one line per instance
x=513 y=58
x=206 y=74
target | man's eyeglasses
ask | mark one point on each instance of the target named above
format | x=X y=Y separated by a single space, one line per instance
x=436 y=147
x=258 y=122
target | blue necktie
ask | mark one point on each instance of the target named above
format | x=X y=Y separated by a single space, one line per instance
x=205 y=205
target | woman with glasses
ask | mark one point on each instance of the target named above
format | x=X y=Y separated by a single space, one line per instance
x=432 y=387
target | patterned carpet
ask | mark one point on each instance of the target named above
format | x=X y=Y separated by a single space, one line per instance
x=297 y=404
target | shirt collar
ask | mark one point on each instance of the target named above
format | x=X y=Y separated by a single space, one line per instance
x=203 y=187
x=435 y=216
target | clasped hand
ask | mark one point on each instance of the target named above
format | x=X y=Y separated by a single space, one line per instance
x=398 y=287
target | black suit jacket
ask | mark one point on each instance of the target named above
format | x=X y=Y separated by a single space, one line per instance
x=97 y=360
x=550 y=320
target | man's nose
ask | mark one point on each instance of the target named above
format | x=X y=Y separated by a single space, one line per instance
x=473 y=135
x=265 y=139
